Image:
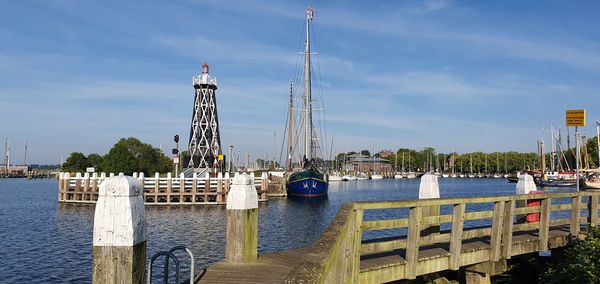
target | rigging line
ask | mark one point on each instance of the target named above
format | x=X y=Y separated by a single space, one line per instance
x=320 y=88
x=284 y=137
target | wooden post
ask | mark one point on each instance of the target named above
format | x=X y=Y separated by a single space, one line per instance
x=593 y=209
x=242 y=221
x=544 y=223
x=355 y=245
x=220 y=188
x=194 y=186
x=227 y=184
x=507 y=229
x=119 y=254
x=169 y=187
x=61 y=186
x=206 y=187
x=458 y=220
x=95 y=183
x=412 y=242
x=78 y=195
x=181 y=187
x=496 y=235
x=575 y=215
x=142 y=180
x=86 y=182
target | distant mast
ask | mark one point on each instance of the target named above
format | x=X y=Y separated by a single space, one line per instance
x=308 y=141
x=291 y=120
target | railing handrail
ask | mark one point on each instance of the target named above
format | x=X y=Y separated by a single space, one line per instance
x=394 y=204
x=340 y=247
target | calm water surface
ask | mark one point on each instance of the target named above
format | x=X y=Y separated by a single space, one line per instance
x=46 y=242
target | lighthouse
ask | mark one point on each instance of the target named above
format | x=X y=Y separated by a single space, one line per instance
x=205 y=141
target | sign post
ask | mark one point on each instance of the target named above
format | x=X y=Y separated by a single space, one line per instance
x=576 y=117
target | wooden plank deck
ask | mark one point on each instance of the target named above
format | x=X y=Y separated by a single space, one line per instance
x=269 y=268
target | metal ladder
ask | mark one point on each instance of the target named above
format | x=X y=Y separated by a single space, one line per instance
x=169 y=255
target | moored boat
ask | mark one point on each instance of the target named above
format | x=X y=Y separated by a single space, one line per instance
x=308 y=181
x=376 y=176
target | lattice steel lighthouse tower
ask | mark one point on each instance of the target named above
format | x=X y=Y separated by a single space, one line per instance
x=205 y=141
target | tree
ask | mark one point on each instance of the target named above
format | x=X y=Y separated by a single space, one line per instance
x=76 y=162
x=140 y=157
x=119 y=159
x=581 y=261
x=366 y=153
x=95 y=160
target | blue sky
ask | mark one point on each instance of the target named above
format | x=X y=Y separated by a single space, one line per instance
x=476 y=75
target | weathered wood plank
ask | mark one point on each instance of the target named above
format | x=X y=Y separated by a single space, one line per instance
x=412 y=244
x=384 y=224
x=527 y=210
x=356 y=245
x=476 y=233
x=593 y=210
x=434 y=239
x=560 y=207
x=496 y=234
x=544 y=224
x=507 y=229
x=526 y=226
x=478 y=215
x=377 y=247
x=575 y=215
x=369 y=205
x=458 y=219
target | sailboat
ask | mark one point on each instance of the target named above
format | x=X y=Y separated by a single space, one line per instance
x=307 y=181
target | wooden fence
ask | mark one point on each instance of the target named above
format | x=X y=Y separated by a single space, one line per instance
x=158 y=190
x=375 y=242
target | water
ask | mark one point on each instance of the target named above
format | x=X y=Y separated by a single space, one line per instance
x=46 y=242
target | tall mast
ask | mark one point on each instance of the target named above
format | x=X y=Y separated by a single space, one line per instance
x=291 y=120
x=25 y=159
x=308 y=141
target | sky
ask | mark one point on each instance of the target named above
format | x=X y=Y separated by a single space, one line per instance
x=469 y=75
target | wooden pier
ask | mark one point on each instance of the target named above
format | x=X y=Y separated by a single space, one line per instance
x=83 y=188
x=476 y=235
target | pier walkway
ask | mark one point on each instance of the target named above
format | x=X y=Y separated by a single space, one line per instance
x=375 y=242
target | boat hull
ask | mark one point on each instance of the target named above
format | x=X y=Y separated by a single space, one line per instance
x=306 y=184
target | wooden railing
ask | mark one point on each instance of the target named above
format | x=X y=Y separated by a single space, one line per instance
x=158 y=190
x=374 y=242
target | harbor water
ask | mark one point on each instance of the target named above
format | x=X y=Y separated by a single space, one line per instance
x=45 y=242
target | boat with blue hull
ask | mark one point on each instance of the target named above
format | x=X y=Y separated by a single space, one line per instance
x=307 y=179
x=307 y=183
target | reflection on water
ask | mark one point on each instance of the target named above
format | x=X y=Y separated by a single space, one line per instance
x=42 y=241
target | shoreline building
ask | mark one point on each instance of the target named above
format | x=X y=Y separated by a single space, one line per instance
x=205 y=142
x=363 y=163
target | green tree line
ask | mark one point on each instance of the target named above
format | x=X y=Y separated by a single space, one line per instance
x=128 y=155
x=497 y=162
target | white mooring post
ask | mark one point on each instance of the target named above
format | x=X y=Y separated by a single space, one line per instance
x=242 y=220
x=525 y=185
x=119 y=241
x=429 y=188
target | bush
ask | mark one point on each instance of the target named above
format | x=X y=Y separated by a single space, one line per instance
x=581 y=261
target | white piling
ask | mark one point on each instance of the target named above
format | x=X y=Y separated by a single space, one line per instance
x=242 y=220
x=429 y=187
x=119 y=254
x=525 y=184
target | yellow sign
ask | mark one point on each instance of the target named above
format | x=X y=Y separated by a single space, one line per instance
x=220 y=157
x=576 y=117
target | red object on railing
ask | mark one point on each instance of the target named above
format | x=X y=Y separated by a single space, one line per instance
x=534 y=217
